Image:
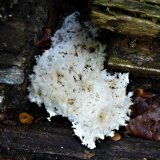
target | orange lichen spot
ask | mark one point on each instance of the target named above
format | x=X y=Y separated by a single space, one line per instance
x=116 y=137
x=25 y=118
x=138 y=92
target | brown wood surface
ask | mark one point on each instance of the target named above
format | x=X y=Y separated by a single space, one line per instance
x=129 y=17
x=53 y=142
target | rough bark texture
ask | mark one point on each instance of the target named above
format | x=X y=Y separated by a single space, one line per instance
x=21 y=23
x=152 y=1
x=130 y=17
x=136 y=54
x=136 y=49
x=55 y=142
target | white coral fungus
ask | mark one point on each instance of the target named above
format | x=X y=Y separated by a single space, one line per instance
x=71 y=81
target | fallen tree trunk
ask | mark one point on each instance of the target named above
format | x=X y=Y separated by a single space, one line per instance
x=136 y=27
x=59 y=142
x=138 y=55
x=152 y=1
x=130 y=17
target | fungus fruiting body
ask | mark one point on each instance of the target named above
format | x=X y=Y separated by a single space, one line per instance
x=70 y=80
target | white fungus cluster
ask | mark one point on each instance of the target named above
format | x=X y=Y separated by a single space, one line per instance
x=71 y=81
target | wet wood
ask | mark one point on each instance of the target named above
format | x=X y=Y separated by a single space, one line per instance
x=152 y=1
x=127 y=16
x=140 y=56
x=60 y=142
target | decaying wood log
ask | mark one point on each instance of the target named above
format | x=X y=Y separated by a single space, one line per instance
x=130 y=17
x=52 y=142
x=152 y=1
x=138 y=55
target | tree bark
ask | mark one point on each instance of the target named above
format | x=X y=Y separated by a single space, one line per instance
x=60 y=142
x=130 y=17
x=135 y=54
